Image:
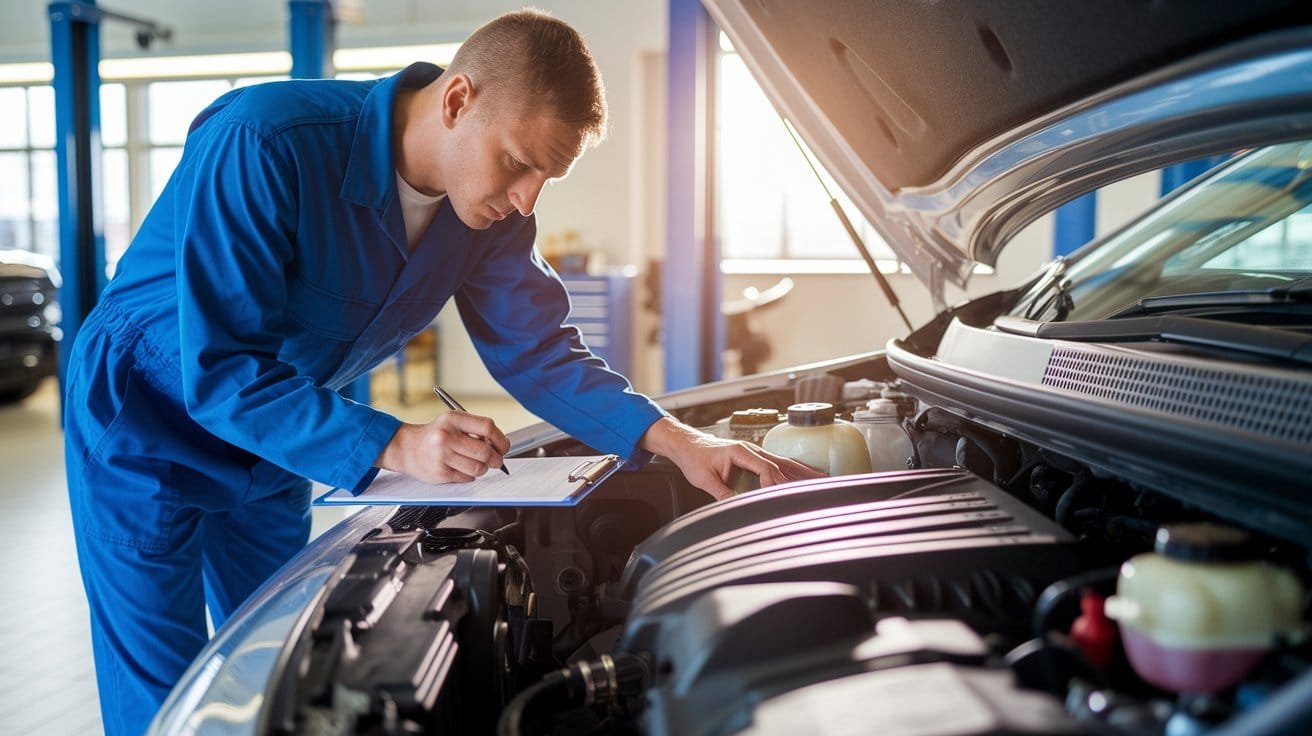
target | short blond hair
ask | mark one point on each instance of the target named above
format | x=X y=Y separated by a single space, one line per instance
x=529 y=57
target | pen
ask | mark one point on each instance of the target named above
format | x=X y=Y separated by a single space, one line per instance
x=451 y=403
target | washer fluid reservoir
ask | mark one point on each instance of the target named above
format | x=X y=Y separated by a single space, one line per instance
x=881 y=425
x=813 y=436
x=1199 y=612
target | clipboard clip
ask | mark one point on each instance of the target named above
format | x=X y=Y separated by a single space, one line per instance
x=595 y=471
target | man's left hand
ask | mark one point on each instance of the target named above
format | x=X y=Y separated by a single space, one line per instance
x=708 y=462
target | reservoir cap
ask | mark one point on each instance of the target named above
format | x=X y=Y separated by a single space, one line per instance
x=811 y=414
x=1204 y=542
x=754 y=418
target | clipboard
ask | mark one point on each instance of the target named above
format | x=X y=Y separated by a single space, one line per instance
x=533 y=481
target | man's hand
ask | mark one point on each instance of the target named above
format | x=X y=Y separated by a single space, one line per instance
x=708 y=462
x=457 y=447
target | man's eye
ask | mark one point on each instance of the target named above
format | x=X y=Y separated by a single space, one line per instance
x=517 y=165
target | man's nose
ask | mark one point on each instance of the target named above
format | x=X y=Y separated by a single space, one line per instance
x=524 y=194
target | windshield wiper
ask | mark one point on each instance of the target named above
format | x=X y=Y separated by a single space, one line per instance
x=1291 y=293
x=1268 y=342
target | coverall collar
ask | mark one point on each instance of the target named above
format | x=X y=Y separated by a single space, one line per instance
x=370 y=172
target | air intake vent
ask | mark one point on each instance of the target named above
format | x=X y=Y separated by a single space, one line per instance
x=1264 y=404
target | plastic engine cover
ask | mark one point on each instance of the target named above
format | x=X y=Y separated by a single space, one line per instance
x=759 y=611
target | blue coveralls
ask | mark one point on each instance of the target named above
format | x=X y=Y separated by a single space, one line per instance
x=202 y=391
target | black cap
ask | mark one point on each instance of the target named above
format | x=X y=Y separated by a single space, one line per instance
x=812 y=414
x=1205 y=542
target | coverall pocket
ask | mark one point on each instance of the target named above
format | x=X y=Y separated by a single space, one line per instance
x=327 y=314
x=117 y=494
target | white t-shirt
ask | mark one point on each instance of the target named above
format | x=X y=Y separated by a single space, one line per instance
x=417 y=209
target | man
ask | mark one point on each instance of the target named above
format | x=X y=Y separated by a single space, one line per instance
x=310 y=229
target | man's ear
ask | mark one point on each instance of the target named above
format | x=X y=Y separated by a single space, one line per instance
x=457 y=96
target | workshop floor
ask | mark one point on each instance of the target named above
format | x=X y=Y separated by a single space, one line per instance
x=47 y=680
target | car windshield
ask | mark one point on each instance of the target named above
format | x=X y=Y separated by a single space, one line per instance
x=1246 y=228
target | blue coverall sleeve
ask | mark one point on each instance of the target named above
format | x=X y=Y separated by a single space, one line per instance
x=514 y=307
x=235 y=219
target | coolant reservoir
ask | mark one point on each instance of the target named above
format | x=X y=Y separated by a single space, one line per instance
x=881 y=425
x=1199 y=612
x=813 y=436
x=750 y=425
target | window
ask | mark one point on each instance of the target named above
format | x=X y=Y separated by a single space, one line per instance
x=143 y=124
x=27 y=167
x=770 y=204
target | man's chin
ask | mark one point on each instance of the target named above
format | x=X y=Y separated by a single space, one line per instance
x=474 y=221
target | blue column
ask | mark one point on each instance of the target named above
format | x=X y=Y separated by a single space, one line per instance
x=75 y=54
x=1075 y=224
x=1174 y=177
x=690 y=284
x=311 y=38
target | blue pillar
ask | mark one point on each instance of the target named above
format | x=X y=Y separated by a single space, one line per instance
x=1075 y=224
x=311 y=38
x=1174 y=177
x=690 y=284
x=75 y=54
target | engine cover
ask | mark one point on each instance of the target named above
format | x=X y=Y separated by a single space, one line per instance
x=763 y=607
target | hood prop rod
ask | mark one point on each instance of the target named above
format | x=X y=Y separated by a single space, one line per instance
x=851 y=231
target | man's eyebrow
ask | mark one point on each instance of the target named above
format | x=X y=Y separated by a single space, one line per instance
x=523 y=158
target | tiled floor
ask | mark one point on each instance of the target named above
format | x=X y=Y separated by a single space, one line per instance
x=47 y=683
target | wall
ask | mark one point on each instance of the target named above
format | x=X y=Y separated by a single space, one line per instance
x=615 y=196
x=596 y=197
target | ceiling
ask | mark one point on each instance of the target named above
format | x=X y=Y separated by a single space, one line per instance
x=248 y=25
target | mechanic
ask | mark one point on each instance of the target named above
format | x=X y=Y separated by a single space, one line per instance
x=310 y=229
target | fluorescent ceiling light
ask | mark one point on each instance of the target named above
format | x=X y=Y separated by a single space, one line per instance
x=37 y=72
x=252 y=64
x=392 y=57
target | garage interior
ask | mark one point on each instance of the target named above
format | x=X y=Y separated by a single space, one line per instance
x=625 y=221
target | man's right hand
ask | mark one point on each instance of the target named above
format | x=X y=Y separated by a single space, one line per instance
x=449 y=449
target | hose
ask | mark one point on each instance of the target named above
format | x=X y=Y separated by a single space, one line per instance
x=1047 y=603
x=601 y=681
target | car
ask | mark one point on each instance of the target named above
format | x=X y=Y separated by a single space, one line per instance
x=1102 y=525
x=29 y=322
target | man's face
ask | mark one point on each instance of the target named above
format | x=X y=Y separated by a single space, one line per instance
x=496 y=160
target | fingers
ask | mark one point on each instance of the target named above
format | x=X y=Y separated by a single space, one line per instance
x=468 y=455
x=478 y=426
x=453 y=451
x=773 y=469
x=747 y=458
x=716 y=487
x=449 y=474
x=794 y=470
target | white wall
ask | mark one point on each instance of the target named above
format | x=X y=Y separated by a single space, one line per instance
x=595 y=199
x=615 y=196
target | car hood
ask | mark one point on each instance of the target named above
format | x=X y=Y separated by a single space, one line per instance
x=951 y=126
x=24 y=264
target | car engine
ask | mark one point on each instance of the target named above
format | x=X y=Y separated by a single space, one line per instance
x=972 y=593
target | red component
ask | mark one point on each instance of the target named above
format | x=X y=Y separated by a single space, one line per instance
x=1093 y=632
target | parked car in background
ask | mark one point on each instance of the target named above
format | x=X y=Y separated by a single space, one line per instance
x=29 y=322
x=1102 y=526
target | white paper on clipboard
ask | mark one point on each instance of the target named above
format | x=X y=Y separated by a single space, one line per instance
x=533 y=481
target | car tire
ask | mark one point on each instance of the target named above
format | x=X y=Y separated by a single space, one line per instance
x=13 y=395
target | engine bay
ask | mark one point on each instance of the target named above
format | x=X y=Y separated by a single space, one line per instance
x=972 y=593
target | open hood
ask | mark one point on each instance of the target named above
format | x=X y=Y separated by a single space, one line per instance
x=952 y=125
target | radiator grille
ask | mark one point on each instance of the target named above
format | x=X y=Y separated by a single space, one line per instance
x=1275 y=406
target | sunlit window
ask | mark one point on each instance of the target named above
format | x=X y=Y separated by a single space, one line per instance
x=146 y=108
x=770 y=204
x=27 y=167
